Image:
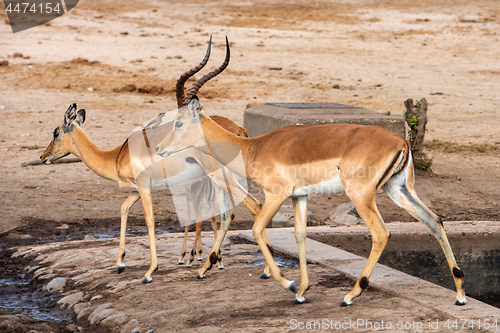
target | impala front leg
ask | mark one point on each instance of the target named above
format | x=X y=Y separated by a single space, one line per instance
x=197 y=239
x=215 y=254
x=125 y=209
x=300 y=212
x=214 y=228
x=186 y=228
x=184 y=244
x=147 y=206
x=270 y=208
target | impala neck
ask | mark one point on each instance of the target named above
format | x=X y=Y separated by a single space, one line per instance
x=102 y=162
x=215 y=133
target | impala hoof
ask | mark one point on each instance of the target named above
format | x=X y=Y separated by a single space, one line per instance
x=460 y=303
x=121 y=269
x=344 y=304
x=146 y=281
x=264 y=276
x=296 y=301
x=199 y=277
x=181 y=262
x=200 y=259
x=221 y=267
x=188 y=265
x=293 y=287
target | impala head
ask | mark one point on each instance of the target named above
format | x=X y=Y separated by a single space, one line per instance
x=187 y=131
x=62 y=141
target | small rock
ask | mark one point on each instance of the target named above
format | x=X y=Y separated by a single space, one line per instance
x=81 y=306
x=70 y=300
x=17 y=55
x=114 y=320
x=4 y=63
x=46 y=276
x=336 y=86
x=73 y=328
x=345 y=214
x=55 y=285
x=39 y=272
x=102 y=311
x=131 y=327
x=89 y=237
x=84 y=313
x=63 y=226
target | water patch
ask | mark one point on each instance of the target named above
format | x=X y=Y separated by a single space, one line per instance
x=19 y=296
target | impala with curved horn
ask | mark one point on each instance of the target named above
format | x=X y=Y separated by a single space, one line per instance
x=205 y=186
x=116 y=165
x=250 y=203
x=295 y=161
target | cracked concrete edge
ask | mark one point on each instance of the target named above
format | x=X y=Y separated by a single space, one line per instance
x=385 y=278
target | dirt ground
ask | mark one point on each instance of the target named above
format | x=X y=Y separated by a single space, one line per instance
x=120 y=61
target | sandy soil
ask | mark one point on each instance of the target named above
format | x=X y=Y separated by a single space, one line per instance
x=379 y=53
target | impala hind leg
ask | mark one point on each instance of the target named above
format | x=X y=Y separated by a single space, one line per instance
x=147 y=206
x=184 y=244
x=199 y=227
x=401 y=190
x=367 y=210
x=214 y=228
x=125 y=209
x=300 y=212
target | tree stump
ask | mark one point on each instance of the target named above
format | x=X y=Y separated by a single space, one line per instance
x=416 y=118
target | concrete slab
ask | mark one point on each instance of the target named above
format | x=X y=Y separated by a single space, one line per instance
x=265 y=118
x=424 y=293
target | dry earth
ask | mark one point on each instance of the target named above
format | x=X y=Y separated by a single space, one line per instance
x=119 y=61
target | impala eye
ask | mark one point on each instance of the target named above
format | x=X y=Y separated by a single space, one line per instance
x=56 y=134
x=178 y=124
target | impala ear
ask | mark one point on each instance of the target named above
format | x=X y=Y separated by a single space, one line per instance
x=194 y=108
x=80 y=117
x=70 y=115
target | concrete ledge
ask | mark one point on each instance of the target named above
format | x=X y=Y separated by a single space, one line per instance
x=424 y=293
x=265 y=118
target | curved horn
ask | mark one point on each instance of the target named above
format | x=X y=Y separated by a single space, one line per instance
x=196 y=86
x=179 y=87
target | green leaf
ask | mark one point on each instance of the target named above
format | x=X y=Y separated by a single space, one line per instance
x=413 y=122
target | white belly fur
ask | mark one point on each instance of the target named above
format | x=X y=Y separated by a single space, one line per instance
x=332 y=186
x=191 y=174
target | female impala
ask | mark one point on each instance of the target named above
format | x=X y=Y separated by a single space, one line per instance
x=295 y=161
